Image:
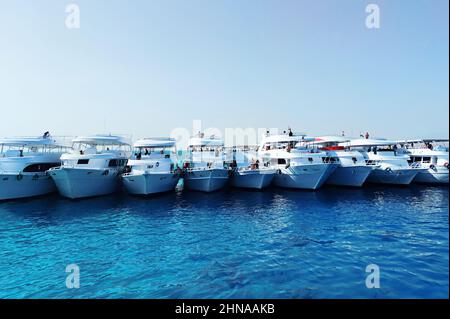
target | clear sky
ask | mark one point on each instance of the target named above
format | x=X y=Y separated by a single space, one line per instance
x=147 y=67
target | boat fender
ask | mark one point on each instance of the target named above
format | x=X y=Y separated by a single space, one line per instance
x=35 y=176
x=433 y=167
x=157 y=164
x=19 y=176
x=105 y=173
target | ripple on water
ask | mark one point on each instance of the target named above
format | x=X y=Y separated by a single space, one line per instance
x=239 y=244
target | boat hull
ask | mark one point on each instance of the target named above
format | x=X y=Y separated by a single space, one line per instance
x=304 y=176
x=208 y=180
x=14 y=186
x=353 y=176
x=79 y=183
x=393 y=176
x=438 y=175
x=257 y=179
x=146 y=184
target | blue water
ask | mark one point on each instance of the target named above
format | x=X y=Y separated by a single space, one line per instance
x=272 y=244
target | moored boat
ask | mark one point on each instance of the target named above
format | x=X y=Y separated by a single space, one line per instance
x=204 y=167
x=24 y=162
x=93 y=167
x=153 y=167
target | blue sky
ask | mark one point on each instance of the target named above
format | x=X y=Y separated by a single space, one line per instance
x=147 y=67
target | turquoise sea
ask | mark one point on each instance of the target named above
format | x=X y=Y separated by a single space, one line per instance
x=230 y=244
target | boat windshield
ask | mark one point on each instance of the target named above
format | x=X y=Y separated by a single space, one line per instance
x=82 y=146
x=30 y=150
x=142 y=152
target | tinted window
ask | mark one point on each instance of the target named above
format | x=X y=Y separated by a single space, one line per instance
x=83 y=161
x=281 y=161
x=117 y=162
x=427 y=159
x=40 y=167
x=113 y=163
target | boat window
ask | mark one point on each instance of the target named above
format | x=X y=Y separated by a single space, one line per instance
x=40 y=167
x=83 y=161
x=329 y=159
x=113 y=163
x=116 y=162
x=310 y=159
x=427 y=159
x=281 y=161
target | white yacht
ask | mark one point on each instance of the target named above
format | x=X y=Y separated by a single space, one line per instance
x=352 y=169
x=393 y=166
x=23 y=166
x=248 y=171
x=298 y=166
x=204 y=167
x=154 y=167
x=93 y=167
x=428 y=154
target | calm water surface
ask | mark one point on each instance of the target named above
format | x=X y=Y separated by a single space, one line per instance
x=237 y=244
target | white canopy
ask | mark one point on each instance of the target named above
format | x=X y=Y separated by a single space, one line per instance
x=367 y=142
x=331 y=139
x=424 y=140
x=204 y=141
x=27 y=141
x=155 y=142
x=283 y=138
x=102 y=140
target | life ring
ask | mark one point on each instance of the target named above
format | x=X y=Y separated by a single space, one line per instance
x=446 y=165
